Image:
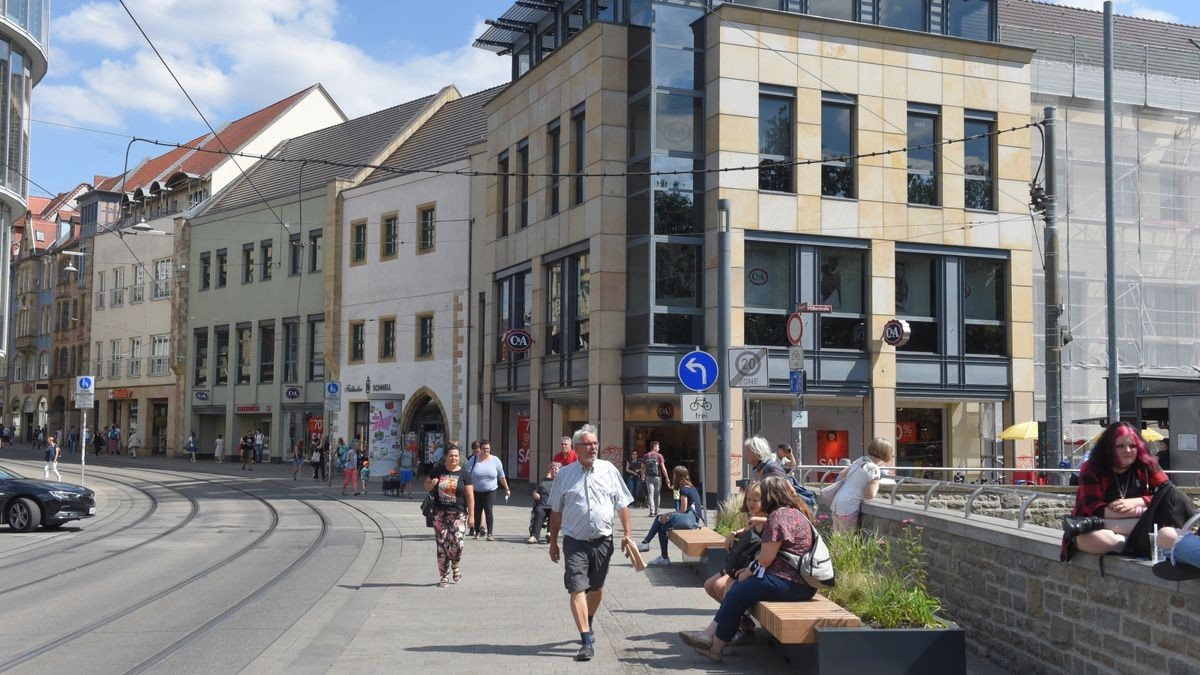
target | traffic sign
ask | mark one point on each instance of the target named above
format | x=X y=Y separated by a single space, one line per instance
x=85 y=401
x=700 y=408
x=333 y=389
x=796 y=357
x=795 y=328
x=799 y=419
x=85 y=384
x=748 y=367
x=697 y=370
x=797 y=380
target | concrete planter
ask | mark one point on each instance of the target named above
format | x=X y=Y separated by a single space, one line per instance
x=891 y=651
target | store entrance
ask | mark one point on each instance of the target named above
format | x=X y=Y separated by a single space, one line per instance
x=158 y=427
x=679 y=444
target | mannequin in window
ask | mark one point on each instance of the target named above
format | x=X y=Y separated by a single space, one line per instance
x=831 y=282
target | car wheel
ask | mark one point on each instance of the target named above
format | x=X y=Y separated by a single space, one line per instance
x=24 y=514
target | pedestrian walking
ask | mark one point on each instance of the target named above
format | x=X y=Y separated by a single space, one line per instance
x=584 y=496
x=135 y=442
x=487 y=474
x=52 y=453
x=406 y=463
x=191 y=446
x=325 y=459
x=348 y=463
x=454 y=498
x=297 y=459
x=316 y=459
x=73 y=440
x=258 y=445
x=99 y=438
x=114 y=440
x=219 y=448
x=246 y=448
x=364 y=470
x=656 y=472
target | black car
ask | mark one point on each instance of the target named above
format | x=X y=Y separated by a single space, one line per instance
x=26 y=503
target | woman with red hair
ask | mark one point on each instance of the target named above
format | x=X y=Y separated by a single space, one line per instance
x=1122 y=494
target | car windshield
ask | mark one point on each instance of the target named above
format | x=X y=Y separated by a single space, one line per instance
x=5 y=474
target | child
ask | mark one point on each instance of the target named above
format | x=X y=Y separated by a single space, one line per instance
x=364 y=472
x=860 y=482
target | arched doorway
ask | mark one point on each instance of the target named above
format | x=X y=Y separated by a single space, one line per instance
x=426 y=427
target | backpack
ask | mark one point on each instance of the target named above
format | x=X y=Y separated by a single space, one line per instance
x=652 y=468
x=816 y=565
x=50 y=453
x=809 y=497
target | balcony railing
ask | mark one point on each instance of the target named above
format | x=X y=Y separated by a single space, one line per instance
x=160 y=365
x=135 y=367
x=162 y=289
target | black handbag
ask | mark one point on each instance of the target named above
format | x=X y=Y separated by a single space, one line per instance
x=744 y=549
x=429 y=508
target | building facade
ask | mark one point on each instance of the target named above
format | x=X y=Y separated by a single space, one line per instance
x=135 y=356
x=801 y=121
x=402 y=303
x=263 y=259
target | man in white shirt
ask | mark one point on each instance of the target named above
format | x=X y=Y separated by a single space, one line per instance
x=258 y=445
x=582 y=502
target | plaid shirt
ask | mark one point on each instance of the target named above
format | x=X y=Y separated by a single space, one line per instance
x=1094 y=488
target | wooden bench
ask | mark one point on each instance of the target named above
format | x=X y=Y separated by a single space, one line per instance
x=794 y=623
x=696 y=542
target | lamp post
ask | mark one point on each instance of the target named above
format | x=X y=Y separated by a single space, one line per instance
x=725 y=426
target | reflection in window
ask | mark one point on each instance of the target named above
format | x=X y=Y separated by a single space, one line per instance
x=970 y=19
x=909 y=14
x=985 y=308
x=514 y=298
x=674 y=212
x=775 y=145
x=675 y=68
x=677 y=120
x=678 y=329
x=677 y=275
x=840 y=275
x=837 y=145
x=833 y=9
x=922 y=155
x=917 y=300
x=569 y=290
x=673 y=25
x=979 y=171
x=768 y=287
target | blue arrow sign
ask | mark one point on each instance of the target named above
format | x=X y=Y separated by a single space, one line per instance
x=697 y=370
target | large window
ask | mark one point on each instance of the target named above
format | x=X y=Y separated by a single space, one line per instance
x=568 y=292
x=114 y=363
x=358 y=247
x=118 y=288
x=978 y=169
x=426 y=229
x=984 y=307
x=578 y=154
x=222 y=267
x=160 y=354
x=137 y=290
x=135 y=357
x=778 y=276
x=205 y=270
x=266 y=250
x=514 y=299
x=266 y=351
x=776 y=121
x=358 y=341
x=200 y=366
x=922 y=154
x=222 y=352
x=970 y=19
x=554 y=160
x=837 y=145
x=162 y=279
x=316 y=348
x=502 y=193
x=291 y=350
x=245 y=352
x=908 y=14
x=678 y=268
x=918 y=300
x=523 y=182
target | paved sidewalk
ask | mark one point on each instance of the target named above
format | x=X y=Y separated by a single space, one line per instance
x=509 y=613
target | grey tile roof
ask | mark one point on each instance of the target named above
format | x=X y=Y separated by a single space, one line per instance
x=443 y=138
x=353 y=143
x=1127 y=30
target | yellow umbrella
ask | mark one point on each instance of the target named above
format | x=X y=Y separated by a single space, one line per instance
x=1148 y=435
x=1025 y=431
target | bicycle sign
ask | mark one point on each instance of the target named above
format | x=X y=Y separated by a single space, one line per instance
x=700 y=408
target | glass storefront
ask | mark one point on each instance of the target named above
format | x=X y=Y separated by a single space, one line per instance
x=920 y=437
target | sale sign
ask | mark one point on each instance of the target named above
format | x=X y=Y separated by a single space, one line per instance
x=906 y=432
x=832 y=447
x=523 y=447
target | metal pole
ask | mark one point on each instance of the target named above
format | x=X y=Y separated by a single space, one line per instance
x=1054 y=421
x=704 y=492
x=724 y=302
x=83 y=449
x=1110 y=227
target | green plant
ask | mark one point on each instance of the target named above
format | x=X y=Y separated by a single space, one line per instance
x=881 y=581
x=730 y=516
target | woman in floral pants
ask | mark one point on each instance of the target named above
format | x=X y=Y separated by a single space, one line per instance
x=451 y=487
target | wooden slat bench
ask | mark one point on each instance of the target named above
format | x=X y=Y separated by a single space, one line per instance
x=696 y=542
x=794 y=623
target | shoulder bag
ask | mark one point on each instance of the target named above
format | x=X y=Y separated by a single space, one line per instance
x=826 y=495
x=816 y=564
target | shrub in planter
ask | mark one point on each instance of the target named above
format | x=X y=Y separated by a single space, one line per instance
x=729 y=515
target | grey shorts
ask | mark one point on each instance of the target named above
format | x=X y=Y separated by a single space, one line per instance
x=586 y=563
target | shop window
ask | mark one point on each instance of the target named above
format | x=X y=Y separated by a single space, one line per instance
x=920 y=437
x=840 y=284
x=917 y=300
x=985 y=288
x=769 y=293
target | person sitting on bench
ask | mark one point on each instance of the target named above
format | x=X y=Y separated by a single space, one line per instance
x=688 y=516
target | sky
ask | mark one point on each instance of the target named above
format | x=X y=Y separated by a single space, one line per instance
x=237 y=56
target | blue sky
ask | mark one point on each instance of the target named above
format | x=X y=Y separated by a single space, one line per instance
x=236 y=56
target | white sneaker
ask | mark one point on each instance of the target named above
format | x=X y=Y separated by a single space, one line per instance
x=644 y=547
x=531 y=540
x=660 y=561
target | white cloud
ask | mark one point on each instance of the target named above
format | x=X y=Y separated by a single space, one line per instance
x=1125 y=7
x=228 y=52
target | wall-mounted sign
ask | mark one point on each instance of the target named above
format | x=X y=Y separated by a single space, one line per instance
x=200 y=395
x=120 y=393
x=292 y=393
x=896 y=332
x=252 y=408
x=666 y=411
x=518 y=340
x=354 y=388
x=758 y=276
x=381 y=387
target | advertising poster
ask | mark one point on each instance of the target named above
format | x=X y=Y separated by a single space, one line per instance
x=832 y=447
x=523 y=447
x=384 y=437
x=435 y=440
x=316 y=429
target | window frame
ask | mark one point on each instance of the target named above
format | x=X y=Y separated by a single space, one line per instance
x=554 y=167
x=389 y=236
x=426 y=236
x=578 y=154
x=134 y=365
x=295 y=255
x=266 y=351
x=245 y=352
x=316 y=239
x=502 y=193
x=387 y=338
x=200 y=343
x=988 y=120
x=424 y=337
x=221 y=360
x=933 y=113
x=524 y=215
x=222 y=268
x=266 y=254
x=247 y=263
x=850 y=104
x=357 y=337
x=358 y=242
x=164 y=270
x=291 y=350
x=780 y=162
x=205 y=269
x=316 y=353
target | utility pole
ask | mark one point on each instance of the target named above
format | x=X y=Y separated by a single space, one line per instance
x=1110 y=226
x=1054 y=344
x=724 y=294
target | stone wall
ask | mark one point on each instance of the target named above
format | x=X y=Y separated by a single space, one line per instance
x=1028 y=613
